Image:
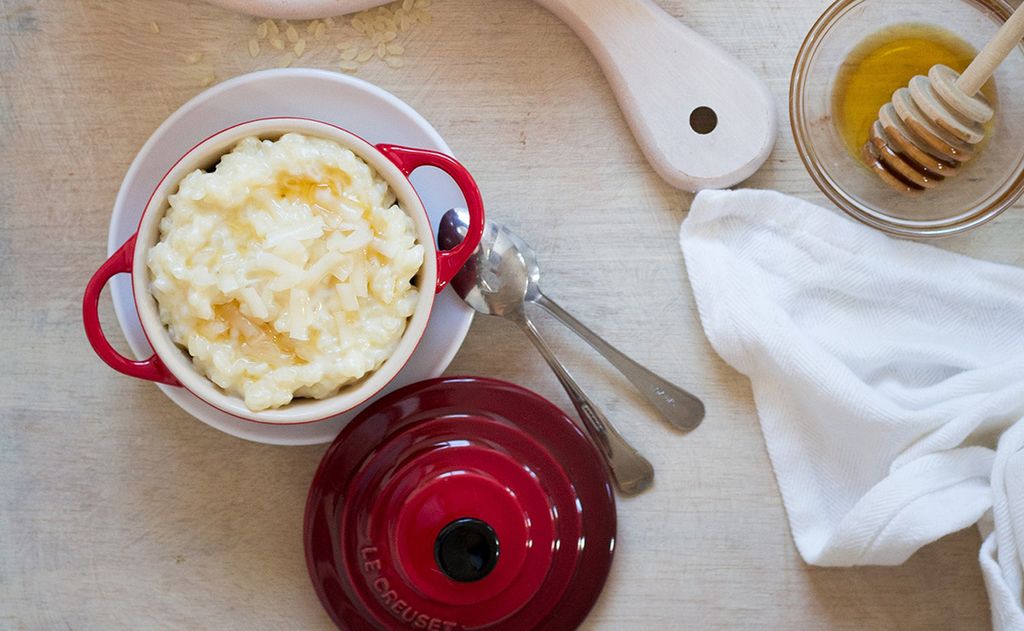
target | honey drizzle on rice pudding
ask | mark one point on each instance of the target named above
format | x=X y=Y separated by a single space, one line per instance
x=288 y=271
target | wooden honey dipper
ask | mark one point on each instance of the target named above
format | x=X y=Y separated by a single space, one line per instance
x=933 y=126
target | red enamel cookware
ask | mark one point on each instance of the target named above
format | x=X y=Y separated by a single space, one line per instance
x=460 y=503
x=171 y=365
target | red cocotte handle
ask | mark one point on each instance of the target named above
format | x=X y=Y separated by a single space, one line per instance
x=449 y=262
x=151 y=369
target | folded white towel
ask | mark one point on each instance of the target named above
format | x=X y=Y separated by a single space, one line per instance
x=888 y=378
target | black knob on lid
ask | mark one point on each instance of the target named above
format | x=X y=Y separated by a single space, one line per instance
x=466 y=550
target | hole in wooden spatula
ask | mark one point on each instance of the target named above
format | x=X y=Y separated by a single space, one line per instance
x=703 y=120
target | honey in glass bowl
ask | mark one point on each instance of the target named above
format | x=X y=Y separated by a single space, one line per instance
x=837 y=48
x=886 y=62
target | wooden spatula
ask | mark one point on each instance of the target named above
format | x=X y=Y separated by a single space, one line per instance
x=702 y=118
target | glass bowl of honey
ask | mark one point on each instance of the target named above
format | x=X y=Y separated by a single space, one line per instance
x=861 y=51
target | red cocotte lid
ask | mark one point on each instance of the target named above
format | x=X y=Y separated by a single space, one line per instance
x=460 y=503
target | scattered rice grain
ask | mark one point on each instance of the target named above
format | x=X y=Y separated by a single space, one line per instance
x=375 y=32
x=208 y=80
x=153 y=26
x=193 y=58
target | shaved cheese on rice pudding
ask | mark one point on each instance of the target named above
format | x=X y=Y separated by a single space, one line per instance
x=287 y=271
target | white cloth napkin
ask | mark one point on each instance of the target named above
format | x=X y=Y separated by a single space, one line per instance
x=888 y=378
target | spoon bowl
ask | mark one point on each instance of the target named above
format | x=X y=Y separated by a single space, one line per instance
x=495 y=280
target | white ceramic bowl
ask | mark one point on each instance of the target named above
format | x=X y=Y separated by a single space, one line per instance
x=297 y=9
x=171 y=365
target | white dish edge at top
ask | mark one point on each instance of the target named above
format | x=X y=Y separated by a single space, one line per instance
x=356 y=105
x=297 y=9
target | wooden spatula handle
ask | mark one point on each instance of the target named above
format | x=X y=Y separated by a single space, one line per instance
x=664 y=74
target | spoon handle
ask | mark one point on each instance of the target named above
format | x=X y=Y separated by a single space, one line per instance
x=631 y=472
x=680 y=408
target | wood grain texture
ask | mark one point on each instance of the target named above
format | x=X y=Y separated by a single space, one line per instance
x=119 y=511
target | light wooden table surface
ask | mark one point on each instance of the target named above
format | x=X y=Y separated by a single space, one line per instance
x=119 y=511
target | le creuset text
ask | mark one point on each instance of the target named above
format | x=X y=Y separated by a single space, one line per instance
x=390 y=599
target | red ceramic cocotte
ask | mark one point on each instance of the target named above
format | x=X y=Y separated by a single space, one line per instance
x=171 y=365
x=460 y=503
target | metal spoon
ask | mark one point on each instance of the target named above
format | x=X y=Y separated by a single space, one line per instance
x=494 y=282
x=680 y=408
